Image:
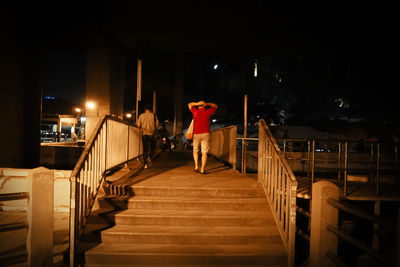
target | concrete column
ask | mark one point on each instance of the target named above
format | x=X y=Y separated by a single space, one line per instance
x=322 y=214
x=118 y=76
x=40 y=217
x=179 y=99
x=20 y=95
x=98 y=82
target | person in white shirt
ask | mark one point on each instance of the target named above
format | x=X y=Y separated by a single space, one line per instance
x=148 y=122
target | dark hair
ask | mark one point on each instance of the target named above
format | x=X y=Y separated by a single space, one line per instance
x=148 y=107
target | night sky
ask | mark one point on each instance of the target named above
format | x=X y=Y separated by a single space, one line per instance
x=310 y=56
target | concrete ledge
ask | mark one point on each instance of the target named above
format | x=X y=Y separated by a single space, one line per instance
x=16 y=180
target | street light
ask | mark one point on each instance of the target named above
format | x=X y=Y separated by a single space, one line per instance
x=91 y=105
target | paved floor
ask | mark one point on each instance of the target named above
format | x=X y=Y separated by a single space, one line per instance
x=176 y=169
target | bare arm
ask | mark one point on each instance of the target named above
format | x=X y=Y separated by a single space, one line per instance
x=213 y=105
x=194 y=104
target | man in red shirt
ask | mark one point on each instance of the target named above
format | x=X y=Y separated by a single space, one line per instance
x=201 y=131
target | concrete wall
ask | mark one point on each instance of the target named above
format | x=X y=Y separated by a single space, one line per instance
x=16 y=180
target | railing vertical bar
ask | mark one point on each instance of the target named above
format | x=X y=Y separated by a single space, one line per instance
x=81 y=196
x=378 y=159
x=96 y=166
x=372 y=162
x=308 y=158
x=287 y=212
x=339 y=161
x=73 y=220
x=280 y=200
x=270 y=168
x=313 y=162
x=345 y=169
x=273 y=180
x=90 y=178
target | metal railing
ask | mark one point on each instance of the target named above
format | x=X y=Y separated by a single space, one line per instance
x=385 y=260
x=248 y=160
x=114 y=142
x=280 y=185
x=340 y=157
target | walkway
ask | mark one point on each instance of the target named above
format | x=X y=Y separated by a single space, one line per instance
x=176 y=169
x=177 y=216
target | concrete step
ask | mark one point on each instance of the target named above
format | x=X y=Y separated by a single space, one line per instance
x=131 y=254
x=212 y=192
x=181 y=203
x=232 y=235
x=194 y=217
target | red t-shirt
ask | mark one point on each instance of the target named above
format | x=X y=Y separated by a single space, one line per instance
x=201 y=118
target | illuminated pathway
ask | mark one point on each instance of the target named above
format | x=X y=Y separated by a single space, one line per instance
x=177 y=216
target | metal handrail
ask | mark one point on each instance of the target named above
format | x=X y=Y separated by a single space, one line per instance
x=280 y=186
x=109 y=146
x=13 y=196
x=372 y=252
x=357 y=243
x=342 y=158
x=363 y=215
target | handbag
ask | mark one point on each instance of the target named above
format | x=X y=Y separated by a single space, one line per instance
x=189 y=132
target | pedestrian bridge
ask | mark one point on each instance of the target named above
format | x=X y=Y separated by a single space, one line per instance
x=221 y=218
x=168 y=215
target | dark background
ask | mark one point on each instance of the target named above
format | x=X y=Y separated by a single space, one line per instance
x=317 y=63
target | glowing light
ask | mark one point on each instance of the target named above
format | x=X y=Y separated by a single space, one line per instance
x=215 y=66
x=255 y=69
x=78 y=110
x=214 y=120
x=128 y=115
x=90 y=104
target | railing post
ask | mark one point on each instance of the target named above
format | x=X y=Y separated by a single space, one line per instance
x=321 y=240
x=40 y=217
x=72 y=222
x=313 y=162
x=308 y=158
x=378 y=162
x=346 y=156
x=398 y=239
x=339 y=161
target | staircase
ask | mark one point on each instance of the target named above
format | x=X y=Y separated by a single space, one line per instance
x=187 y=219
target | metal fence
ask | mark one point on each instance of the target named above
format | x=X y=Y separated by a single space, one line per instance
x=113 y=142
x=337 y=159
x=280 y=185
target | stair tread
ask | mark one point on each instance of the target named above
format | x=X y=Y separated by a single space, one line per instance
x=198 y=199
x=194 y=230
x=191 y=213
x=207 y=249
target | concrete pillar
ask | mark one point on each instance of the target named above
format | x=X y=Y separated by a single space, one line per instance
x=179 y=71
x=118 y=76
x=40 y=217
x=105 y=81
x=322 y=214
x=98 y=79
x=20 y=95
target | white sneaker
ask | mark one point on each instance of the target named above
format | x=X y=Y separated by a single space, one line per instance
x=149 y=162
x=145 y=166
